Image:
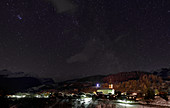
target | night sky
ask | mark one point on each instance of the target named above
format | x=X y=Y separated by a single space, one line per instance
x=67 y=39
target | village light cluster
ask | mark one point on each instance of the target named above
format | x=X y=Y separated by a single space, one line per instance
x=125 y=101
x=126 y=105
x=27 y=95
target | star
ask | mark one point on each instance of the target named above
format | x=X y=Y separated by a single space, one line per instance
x=19 y=17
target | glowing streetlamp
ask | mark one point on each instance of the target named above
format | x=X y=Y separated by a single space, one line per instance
x=97 y=85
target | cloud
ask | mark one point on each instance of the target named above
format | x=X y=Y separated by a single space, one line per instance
x=63 y=5
x=78 y=58
x=97 y=56
x=119 y=38
x=109 y=62
x=87 y=53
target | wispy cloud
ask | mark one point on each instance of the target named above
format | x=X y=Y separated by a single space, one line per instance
x=87 y=53
x=63 y=5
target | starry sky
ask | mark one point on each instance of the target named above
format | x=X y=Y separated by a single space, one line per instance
x=67 y=39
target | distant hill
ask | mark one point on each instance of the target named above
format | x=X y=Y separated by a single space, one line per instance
x=8 y=74
x=81 y=82
x=118 y=77
x=19 y=81
x=18 y=84
x=163 y=72
x=46 y=80
x=96 y=78
x=124 y=76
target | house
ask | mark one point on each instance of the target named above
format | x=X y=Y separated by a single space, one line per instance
x=106 y=91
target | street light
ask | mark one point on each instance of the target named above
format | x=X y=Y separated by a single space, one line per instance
x=97 y=85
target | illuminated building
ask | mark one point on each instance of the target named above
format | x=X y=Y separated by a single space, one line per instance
x=106 y=91
x=110 y=86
